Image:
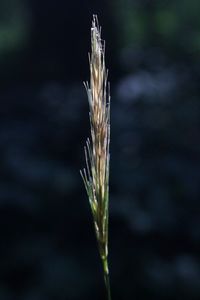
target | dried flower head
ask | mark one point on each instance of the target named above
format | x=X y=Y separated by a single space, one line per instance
x=96 y=174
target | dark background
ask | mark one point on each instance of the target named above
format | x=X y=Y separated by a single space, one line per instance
x=47 y=244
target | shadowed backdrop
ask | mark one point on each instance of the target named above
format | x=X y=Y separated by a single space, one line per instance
x=48 y=249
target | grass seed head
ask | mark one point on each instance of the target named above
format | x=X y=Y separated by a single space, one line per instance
x=96 y=175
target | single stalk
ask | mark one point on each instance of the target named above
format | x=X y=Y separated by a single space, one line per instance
x=106 y=277
x=97 y=155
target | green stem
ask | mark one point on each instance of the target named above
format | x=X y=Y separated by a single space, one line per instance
x=106 y=277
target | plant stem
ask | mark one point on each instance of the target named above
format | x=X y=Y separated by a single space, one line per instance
x=106 y=277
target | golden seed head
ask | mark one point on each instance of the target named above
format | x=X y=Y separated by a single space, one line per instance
x=96 y=178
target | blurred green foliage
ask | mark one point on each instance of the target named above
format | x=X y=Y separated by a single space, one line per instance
x=14 y=26
x=168 y=23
